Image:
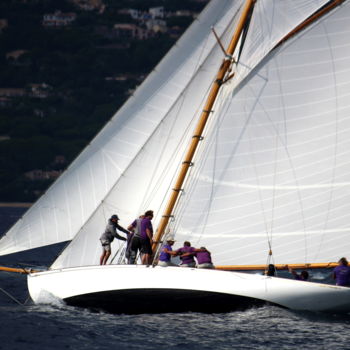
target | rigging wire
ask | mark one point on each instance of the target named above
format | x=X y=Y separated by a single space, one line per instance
x=284 y=143
x=182 y=98
x=180 y=195
x=148 y=197
x=12 y=297
x=140 y=151
x=121 y=248
x=334 y=167
x=184 y=95
x=192 y=178
x=176 y=213
x=268 y=228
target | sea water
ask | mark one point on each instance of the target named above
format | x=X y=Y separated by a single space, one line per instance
x=58 y=326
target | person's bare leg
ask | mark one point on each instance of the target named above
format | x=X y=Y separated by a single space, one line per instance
x=102 y=257
x=107 y=254
x=146 y=259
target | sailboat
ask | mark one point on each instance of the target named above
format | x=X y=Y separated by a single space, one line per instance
x=239 y=140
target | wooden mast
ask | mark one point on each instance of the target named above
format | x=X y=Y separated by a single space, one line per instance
x=197 y=136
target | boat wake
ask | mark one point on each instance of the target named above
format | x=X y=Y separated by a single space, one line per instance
x=46 y=297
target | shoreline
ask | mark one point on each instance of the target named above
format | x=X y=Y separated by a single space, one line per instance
x=15 y=205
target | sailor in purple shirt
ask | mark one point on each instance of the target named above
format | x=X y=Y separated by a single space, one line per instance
x=143 y=241
x=203 y=257
x=166 y=253
x=342 y=273
x=186 y=255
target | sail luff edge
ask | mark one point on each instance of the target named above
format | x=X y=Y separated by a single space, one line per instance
x=310 y=20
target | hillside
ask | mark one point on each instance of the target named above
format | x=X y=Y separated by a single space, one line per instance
x=65 y=69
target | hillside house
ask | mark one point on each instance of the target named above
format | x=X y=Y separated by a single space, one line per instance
x=58 y=19
x=132 y=31
x=38 y=174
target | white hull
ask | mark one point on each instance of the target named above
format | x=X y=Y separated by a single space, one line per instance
x=136 y=289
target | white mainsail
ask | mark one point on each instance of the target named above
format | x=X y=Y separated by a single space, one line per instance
x=276 y=173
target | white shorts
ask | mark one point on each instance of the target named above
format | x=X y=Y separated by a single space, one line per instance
x=166 y=263
x=188 y=265
x=206 y=266
x=106 y=246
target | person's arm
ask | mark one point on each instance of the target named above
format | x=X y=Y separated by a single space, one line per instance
x=119 y=237
x=171 y=252
x=132 y=226
x=116 y=235
x=193 y=252
x=149 y=231
x=149 y=234
x=190 y=253
x=201 y=250
x=178 y=252
x=120 y=228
